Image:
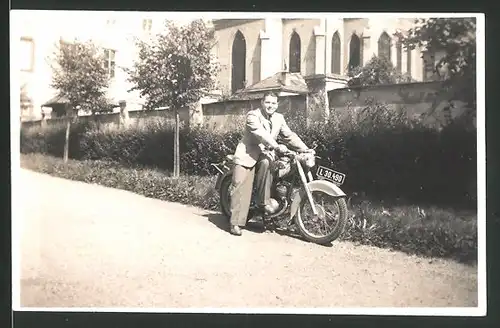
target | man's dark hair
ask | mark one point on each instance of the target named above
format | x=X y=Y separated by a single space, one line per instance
x=271 y=94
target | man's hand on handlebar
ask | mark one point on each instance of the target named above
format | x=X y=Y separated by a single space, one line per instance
x=282 y=149
x=309 y=151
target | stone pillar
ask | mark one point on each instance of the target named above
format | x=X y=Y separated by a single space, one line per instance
x=271 y=47
x=394 y=48
x=366 y=46
x=124 y=117
x=265 y=55
x=317 y=101
x=196 y=114
x=319 y=63
x=43 y=121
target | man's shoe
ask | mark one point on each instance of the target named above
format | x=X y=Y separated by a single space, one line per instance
x=235 y=230
x=255 y=219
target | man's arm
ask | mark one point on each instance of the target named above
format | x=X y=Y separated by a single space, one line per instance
x=291 y=138
x=255 y=127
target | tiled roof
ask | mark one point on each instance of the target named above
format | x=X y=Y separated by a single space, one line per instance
x=57 y=100
x=281 y=82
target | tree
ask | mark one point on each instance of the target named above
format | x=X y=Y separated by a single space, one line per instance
x=79 y=76
x=455 y=38
x=175 y=70
x=379 y=70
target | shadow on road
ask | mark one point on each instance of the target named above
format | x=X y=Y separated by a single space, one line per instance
x=221 y=222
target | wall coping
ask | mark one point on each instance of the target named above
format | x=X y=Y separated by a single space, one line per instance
x=387 y=86
x=327 y=77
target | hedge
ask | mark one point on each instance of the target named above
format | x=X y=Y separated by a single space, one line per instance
x=384 y=155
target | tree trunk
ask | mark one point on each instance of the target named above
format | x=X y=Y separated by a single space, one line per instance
x=66 y=141
x=176 y=145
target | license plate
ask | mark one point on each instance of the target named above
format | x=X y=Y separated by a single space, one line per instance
x=331 y=175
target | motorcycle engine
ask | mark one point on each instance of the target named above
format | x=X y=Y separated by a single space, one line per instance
x=281 y=190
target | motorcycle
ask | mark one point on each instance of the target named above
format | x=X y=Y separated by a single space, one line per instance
x=294 y=189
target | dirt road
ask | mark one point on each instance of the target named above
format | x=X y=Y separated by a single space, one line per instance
x=84 y=245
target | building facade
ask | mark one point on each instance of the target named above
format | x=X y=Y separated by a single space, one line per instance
x=251 y=50
x=38 y=33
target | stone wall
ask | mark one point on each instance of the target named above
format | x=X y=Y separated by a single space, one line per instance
x=112 y=119
x=231 y=114
x=416 y=99
x=419 y=100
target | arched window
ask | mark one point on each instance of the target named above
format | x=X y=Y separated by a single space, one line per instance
x=354 y=52
x=384 y=46
x=336 y=53
x=399 y=56
x=294 y=60
x=238 y=69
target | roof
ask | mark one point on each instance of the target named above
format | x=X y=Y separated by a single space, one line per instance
x=57 y=100
x=279 y=82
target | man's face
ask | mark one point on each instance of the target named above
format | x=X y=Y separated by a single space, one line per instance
x=270 y=104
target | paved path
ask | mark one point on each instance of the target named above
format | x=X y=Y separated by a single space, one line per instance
x=88 y=246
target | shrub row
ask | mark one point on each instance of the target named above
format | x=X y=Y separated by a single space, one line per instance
x=383 y=154
x=429 y=231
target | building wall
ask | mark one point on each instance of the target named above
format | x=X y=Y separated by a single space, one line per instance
x=305 y=29
x=279 y=32
x=225 y=37
x=47 y=28
x=332 y=26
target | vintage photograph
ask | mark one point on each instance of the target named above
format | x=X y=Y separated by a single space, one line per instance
x=248 y=162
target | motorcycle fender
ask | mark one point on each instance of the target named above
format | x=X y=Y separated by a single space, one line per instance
x=316 y=185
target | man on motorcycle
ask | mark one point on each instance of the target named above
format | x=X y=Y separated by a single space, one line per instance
x=254 y=156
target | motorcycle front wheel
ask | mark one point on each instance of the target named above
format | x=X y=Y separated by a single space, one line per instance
x=330 y=222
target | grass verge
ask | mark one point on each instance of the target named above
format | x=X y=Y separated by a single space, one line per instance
x=428 y=231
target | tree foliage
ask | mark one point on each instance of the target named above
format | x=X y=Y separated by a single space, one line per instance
x=455 y=38
x=175 y=69
x=79 y=75
x=379 y=70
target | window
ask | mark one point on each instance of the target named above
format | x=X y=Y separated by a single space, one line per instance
x=399 y=56
x=336 y=53
x=384 y=46
x=27 y=54
x=294 y=54
x=238 y=69
x=147 y=24
x=354 y=52
x=109 y=62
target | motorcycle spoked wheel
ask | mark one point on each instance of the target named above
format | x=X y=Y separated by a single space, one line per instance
x=305 y=219
x=225 y=196
x=225 y=199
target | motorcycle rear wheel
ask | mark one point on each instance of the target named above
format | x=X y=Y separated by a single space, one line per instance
x=225 y=196
x=302 y=219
